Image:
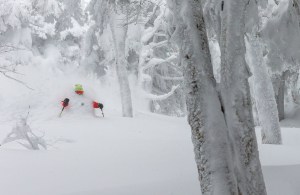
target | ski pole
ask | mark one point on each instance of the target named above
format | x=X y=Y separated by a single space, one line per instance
x=61 y=111
x=101 y=107
x=102 y=113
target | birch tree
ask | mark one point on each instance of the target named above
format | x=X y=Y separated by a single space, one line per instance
x=237 y=100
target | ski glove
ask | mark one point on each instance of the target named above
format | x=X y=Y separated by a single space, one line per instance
x=65 y=103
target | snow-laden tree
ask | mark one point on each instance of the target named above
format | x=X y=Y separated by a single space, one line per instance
x=212 y=10
x=45 y=14
x=118 y=25
x=263 y=90
x=70 y=27
x=213 y=154
x=12 y=18
x=72 y=15
x=159 y=72
x=236 y=98
x=94 y=58
x=115 y=15
x=48 y=8
x=282 y=51
x=18 y=24
x=238 y=169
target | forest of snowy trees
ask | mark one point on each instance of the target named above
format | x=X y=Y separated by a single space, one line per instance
x=228 y=65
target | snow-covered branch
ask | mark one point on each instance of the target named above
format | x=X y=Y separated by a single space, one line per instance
x=172 y=78
x=22 y=133
x=161 y=97
x=159 y=44
x=158 y=61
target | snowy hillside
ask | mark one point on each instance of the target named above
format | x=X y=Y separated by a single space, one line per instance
x=87 y=155
x=112 y=155
x=147 y=155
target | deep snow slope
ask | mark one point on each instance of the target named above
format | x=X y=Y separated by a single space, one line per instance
x=281 y=164
x=146 y=155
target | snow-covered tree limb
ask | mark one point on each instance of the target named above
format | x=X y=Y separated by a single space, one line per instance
x=161 y=97
x=22 y=131
x=158 y=61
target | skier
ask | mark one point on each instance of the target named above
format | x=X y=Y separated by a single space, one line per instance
x=80 y=100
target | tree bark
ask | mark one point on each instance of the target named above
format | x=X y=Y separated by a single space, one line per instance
x=264 y=93
x=237 y=100
x=278 y=82
x=209 y=132
x=280 y=100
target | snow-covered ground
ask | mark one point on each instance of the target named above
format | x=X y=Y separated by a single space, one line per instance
x=281 y=164
x=146 y=155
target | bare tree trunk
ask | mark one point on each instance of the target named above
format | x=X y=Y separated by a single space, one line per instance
x=237 y=100
x=279 y=89
x=209 y=132
x=296 y=4
x=119 y=33
x=264 y=93
x=294 y=88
